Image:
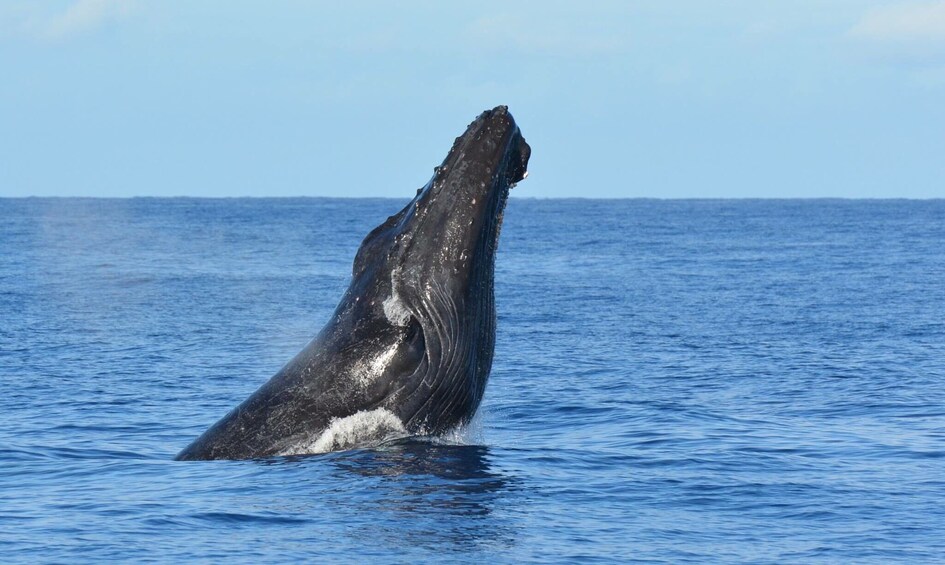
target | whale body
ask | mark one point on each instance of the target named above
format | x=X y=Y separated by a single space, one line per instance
x=409 y=348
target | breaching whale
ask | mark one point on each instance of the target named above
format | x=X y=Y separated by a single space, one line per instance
x=409 y=348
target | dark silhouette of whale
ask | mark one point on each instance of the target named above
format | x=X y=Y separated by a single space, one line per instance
x=409 y=348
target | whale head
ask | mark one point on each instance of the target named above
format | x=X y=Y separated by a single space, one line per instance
x=427 y=273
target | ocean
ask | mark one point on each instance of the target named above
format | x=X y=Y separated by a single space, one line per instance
x=720 y=381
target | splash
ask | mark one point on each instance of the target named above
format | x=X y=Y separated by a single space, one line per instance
x=362 y=429
x=464 y=434
x=380 y=427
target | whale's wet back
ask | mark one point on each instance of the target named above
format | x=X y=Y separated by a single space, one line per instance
x=409 y=348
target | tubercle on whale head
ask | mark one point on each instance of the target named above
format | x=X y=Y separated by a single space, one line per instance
x=492 y=130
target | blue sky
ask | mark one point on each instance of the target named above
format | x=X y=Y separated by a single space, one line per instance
x=838 y=98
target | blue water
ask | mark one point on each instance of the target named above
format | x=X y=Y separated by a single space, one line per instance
x=705 y=381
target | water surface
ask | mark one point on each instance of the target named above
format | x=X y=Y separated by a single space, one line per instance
x=705 y=381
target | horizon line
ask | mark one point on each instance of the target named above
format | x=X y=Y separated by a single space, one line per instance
x=516 y=197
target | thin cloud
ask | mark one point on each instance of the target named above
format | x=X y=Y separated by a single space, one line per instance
x=85 y=16
x=920 y=22
x=555 y=35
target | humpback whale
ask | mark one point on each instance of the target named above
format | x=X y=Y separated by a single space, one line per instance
x=409 y=348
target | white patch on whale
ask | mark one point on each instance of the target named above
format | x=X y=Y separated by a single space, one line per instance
x=367 y=371
x=379 y=363
x=395 y=311
x=361 y=429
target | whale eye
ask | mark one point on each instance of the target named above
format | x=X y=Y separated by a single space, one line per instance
x=414 y=341
x=410 y=350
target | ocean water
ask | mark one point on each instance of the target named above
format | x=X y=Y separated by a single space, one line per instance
x=674 y=381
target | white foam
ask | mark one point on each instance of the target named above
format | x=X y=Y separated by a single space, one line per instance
x=469 y=434
x=361 y=429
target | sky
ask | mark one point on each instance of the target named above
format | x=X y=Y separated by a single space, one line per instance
x=656 y=99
